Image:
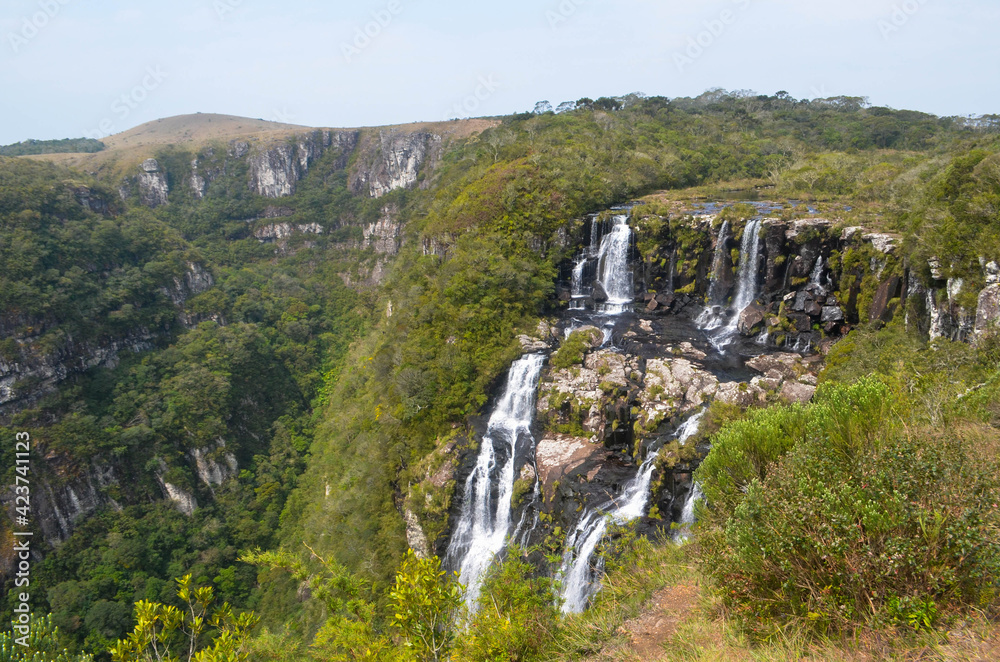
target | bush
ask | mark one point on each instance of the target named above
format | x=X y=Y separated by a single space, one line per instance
x=515 y=616
x=861 y=519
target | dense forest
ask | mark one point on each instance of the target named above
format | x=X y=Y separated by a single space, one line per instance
x=331 y=374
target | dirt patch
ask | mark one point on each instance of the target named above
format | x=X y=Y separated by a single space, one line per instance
x=658 y=623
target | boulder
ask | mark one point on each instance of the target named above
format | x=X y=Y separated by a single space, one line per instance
x=558 y=455
x=992 y=270
x=741 y=394
x=599 y=295
x=832 y=314
x=781 y=365
x=529 y=344
x=751 y=319
x=797 y=392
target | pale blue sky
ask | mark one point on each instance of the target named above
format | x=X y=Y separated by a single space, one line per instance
x=65 y=64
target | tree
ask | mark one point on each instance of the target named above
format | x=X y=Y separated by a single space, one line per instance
x=44 y=645
x=424 y=601
x=162 y=629
x=542 y=107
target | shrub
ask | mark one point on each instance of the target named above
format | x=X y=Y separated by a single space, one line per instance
x=515 y=616
x=861 y=519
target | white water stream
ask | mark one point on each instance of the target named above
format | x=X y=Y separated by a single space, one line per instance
x=485 y=522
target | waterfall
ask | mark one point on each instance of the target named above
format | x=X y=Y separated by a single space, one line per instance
x=816 y=277
x=718 y=262
x=711 y=317
x=687 y=515
x=580 y=580
x=673 y=268
x=594 y=238
x=577 y=292
x=613 y=271
x=746 y=288
x=485 y=521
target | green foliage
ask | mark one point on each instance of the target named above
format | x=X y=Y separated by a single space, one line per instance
x=860 y=518
x=63 y=146
x=44 y=644
x=166 y=633
x=514 y=618
x=573 y=348
x=423 y=604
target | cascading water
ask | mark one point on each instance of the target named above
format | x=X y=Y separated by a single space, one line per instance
x=712 y=316
x=580 y=580
x=577 y=292
x=816 y=277
x=482 y=529
x=746 y=289
x=687 y=515
x=613 y=271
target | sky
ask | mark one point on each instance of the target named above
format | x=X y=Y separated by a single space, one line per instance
x=71 y=68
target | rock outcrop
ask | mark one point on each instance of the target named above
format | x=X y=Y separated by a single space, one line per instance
x=393 y=160
x=988 y=310
x=384 y=234
x=274 y=170
x=153 y=187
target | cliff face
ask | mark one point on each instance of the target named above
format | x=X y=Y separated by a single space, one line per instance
x=384 y=161
x=391 y=160
x=153 y=187
x=36 y=372
x=275 y=170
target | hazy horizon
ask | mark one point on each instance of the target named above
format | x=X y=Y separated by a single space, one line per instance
x=80 y=70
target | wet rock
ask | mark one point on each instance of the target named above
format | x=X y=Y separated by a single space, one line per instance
x=887 y=291
x=832 y=314
x=599 y=295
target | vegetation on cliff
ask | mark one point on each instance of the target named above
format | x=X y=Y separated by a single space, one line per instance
x=331 y=387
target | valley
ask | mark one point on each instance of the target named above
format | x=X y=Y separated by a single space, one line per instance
x=576 y=358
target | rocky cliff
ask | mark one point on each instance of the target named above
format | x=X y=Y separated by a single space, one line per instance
x=390 y=160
